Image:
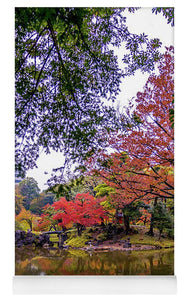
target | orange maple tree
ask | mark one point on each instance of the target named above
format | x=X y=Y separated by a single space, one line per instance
x=142 y=163
x=150 y=145
x=27 y=216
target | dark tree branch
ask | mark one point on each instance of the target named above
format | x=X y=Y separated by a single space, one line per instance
x=30 y=50
x=65 y=72
x=36 y=84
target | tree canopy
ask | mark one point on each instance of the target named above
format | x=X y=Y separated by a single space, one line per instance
x=28 y=190
x=66 y=71
x=142 y=163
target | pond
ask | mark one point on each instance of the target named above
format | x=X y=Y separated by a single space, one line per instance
x=78 y=262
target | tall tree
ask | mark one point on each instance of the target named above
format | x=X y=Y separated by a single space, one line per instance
x=38 y=203
x=149 y=145
x=161 y=217
x=29 y=190
x=18 y=200
x=141 y=166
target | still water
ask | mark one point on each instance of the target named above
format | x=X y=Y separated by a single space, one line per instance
x=79 y=262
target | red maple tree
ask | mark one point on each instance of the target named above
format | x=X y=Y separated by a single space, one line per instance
x=84 y=210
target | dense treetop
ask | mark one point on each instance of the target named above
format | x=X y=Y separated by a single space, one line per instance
x=67 y=76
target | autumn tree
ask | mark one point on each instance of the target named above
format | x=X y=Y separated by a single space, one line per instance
x=65 y=68
x=150 y=144
x=27 y=216
x=141 y=165
x=114 y=170
x=46 y=221
x=84 y=211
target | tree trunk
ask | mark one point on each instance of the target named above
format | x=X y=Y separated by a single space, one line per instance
x=79 y=229
x=126 y=224
x=151 y=231
x=30 y=224
x=160 y=233
x=145 y=220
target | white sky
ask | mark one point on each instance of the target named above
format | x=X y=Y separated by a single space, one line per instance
x=155 y=26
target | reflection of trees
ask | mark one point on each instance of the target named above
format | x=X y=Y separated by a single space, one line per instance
x=38 y=261
x=163 y=264
x=21 y=254
x=62 y=262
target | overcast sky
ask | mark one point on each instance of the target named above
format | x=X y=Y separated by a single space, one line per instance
x=155 y=26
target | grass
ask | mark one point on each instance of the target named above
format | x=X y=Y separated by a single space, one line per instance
x=142 y=239
x=137 y=238
x=147 y=240
x=79 y=241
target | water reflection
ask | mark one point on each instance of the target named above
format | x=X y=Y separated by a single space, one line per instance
x=78 y=262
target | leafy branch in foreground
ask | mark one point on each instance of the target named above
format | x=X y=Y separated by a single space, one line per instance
x=67 y=76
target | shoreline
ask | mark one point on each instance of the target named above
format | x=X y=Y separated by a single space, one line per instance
x=116 y=247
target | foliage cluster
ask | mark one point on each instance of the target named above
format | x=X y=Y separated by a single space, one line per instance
x=27 y=195
x=67 y=75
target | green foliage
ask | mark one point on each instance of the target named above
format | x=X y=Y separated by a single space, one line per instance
x=24 y=225
x=133 y=211
x=18 y=200
x=102 y=236
x=77 y=241
x=18 y=225
x=161 y=217
x=172 y=116
x=170 y=232
x=29 y=190
x=65 y=67
x=103 y=190
x=37 y=204
x=154 y=241
x=59 y=57
x=74 y=186
x=170 y=206
x=136 y=119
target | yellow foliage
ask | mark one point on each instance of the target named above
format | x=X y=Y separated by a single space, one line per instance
x=25 y=215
